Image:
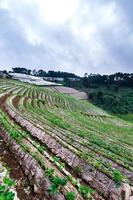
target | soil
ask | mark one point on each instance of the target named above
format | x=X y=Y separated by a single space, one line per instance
x=24 y=192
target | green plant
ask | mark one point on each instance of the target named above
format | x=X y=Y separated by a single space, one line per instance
x=71 y=196
x=117 y=177
x=39 y=159
x=86 y=191
x=41 y=148
x=59 y=122
x=74 y=181
x=7 y=181
x=26 y=148
x=6 y=194
x=77 y=170
x=61 y=166
x=57 y=182
x=49 y=172
x=52 y=189
x=55 y=159
x=5 y=189
x=98 y=164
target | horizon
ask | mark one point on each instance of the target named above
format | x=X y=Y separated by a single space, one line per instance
x=11 y=71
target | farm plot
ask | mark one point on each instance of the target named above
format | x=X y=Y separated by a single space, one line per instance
x=84 y=152
x=70 y=91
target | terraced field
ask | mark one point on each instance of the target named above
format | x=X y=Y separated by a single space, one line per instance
x=82 y=152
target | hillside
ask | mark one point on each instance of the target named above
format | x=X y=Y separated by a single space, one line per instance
x=113 y=99
x=67 y=148
x=113 y=93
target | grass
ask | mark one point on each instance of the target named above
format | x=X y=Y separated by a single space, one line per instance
x=128 y=117
x=59 y=122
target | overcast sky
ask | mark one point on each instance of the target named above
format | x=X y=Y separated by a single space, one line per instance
x=93 y=36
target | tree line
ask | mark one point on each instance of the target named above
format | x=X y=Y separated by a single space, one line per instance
x=88 y=80
x=94 y=80
x=43 y=73
x=117 y=78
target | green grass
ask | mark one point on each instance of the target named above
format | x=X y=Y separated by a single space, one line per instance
x=127 y=117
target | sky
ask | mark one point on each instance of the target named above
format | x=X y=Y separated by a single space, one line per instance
x=78 y=36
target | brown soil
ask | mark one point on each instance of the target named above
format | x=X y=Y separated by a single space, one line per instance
x=2 y=101
x=15 y=101
x=16 y=173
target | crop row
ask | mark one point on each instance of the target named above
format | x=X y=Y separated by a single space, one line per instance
x=95 y=145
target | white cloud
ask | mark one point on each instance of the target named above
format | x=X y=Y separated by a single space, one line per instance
x=74 y=34
x=4 y=4
x=58 y=11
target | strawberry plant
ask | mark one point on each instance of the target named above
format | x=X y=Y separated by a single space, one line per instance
x=5 y=189
x=71 y=196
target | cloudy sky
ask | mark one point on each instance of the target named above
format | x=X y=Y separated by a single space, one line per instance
x=93 y=36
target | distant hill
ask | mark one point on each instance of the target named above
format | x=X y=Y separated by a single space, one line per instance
x=117 y=100
x=113 y=93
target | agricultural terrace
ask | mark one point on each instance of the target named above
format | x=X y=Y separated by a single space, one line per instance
x=84 y=152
